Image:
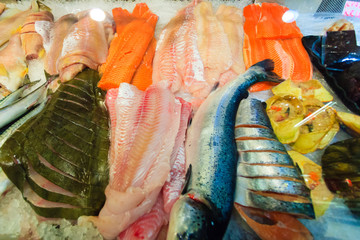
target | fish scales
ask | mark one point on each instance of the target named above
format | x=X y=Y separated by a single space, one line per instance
x=204 y=209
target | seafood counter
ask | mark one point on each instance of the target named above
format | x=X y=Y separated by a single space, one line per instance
x=177 y=120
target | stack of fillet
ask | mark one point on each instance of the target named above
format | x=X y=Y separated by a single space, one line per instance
x=74 y=42
x=146 y=160
x=267 y=36
x=132 y=49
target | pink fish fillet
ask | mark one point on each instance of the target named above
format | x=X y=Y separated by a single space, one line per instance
x=232 y=21
x=53 y=37
x=172 y=187
x=177 y=58
x=86 y=43
x=212 y=42
x=148 y=226
x=146 y=127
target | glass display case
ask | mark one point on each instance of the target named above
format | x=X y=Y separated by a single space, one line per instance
x=168 y=119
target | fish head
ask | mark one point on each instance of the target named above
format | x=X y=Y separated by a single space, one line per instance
x=191 y=218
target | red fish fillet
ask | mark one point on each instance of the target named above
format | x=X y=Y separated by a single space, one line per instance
x=172 y=187
x=146 y=126
x=177 y=59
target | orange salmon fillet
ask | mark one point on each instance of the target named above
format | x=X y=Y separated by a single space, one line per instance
x=129 y=46
x=143 y=75
x=266 y=36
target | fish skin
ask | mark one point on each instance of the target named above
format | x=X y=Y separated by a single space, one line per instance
x=265 y=172
x=252 y=199
x=254 y=132
x=246 y=170
x=266 y=158
x=204 y=209
x=273 y=185
x=245 y=115
x=260 y=145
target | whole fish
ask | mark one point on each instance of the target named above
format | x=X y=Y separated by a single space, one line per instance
x=204 y=209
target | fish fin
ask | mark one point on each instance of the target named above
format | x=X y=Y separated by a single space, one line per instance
x=268 y=65
x=187 y=179
x=216 y=85
x=273 y=77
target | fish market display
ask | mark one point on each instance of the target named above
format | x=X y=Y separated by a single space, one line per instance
x=130 y=120
x=58 y=158
x=204 y=209
x=341 y=171
x=74 y=43
x=266 y=176
x=268 y=36
x=144 y=126
x=132 y=47
x=32 y=42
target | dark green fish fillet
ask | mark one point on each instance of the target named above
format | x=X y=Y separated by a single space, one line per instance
x=67 y=144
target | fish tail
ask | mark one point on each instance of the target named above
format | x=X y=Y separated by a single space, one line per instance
x=271 y=79
x=268 y=65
